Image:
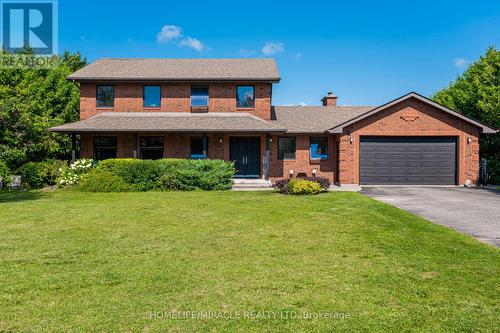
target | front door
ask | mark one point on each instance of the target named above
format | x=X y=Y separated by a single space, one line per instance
x=245 y=152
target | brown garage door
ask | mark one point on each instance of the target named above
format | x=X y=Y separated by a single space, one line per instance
x=408 y=160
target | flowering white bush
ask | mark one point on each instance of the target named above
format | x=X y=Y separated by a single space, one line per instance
x=71 y=175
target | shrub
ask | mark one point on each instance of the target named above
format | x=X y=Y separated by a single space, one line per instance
x=281 y=185
x=4 y=173
x=493 y=169
x=32 y=175
x=36 y=175
x=53 y=169
x=205 y=175
x=70 y=175
x=103 y=181
x=165 y=174
x=143 y=174
x=303 y=187
x=322 y=181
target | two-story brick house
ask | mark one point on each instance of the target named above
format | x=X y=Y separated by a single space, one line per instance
x=222 y=109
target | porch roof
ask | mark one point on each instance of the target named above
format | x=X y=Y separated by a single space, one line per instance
x=169 y=122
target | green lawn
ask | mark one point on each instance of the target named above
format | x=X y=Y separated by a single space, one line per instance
x=126 y=262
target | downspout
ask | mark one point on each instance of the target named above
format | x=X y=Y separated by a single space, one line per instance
x=205 y=146
x=73 y=146
x=266 y=166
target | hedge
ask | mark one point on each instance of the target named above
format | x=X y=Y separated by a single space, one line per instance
x=164 y=174
x=103 y=181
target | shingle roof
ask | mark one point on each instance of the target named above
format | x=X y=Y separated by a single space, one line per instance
x=314 y=119
x=169 y=122
x=339 y=127
x=179 y=69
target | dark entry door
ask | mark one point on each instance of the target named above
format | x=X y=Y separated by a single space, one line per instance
x=408 y=160
x=245 y=152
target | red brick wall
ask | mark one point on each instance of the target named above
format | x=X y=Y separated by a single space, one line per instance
x=175 y=145
x=302 y=162
x=410 y=118
x=175 y=97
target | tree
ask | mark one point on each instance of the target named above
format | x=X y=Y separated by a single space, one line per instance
x=31 y=101
x=476 y=93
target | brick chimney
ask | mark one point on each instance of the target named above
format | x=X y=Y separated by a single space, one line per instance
x=329 y=100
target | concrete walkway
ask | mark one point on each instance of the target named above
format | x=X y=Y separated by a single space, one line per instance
x=473 y=211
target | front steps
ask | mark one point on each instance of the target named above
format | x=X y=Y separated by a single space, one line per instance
x=242 y=184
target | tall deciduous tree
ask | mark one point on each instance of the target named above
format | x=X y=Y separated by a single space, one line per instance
x=31 y=101
x=476 y=93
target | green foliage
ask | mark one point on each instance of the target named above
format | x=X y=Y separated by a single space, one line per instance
x=207 y=175
x=36 y=175
x=4 y=172
x=303 y=187
x=493 y=168
x=103 y=181
x=476 y=93
x=164 y=174
x=31 y=101
x=143 y=174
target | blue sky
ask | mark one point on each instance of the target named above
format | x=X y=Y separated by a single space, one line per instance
x=366 y=52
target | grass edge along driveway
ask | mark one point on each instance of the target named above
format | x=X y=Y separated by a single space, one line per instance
x=127 y=261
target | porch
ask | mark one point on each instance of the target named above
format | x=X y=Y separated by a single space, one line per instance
x=249 y=151
x=260 y=149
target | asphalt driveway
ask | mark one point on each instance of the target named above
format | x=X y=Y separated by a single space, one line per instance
x=473 y=211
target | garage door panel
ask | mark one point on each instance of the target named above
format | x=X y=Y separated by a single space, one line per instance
x=407 y=160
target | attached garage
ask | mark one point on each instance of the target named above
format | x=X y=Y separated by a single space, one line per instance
x=408 y=160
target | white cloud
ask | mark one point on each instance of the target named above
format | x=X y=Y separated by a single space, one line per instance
x=297 y=57
x=271 y=48
x=246 y=53
x=168 y=33
x=302 y=103
x=460 y=62
x=192 y=43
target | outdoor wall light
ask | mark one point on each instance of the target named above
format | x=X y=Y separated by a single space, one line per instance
x=291 y=172
x=350 y=140
x=221 y=140
x=469 y=140
x=314 y=172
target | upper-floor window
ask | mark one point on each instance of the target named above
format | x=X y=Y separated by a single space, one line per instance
x=105 y=96
x=286 y=148
x=318 y=148
x=105 y=147
x=199 y=96
x=152 y=96
x=245 y=97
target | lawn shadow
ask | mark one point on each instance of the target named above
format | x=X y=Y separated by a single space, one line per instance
x=17 y=196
